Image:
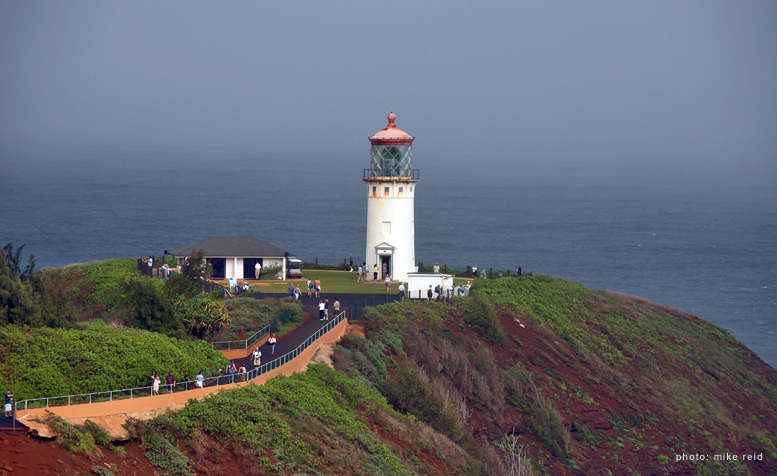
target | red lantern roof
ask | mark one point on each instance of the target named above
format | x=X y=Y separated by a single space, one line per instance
x=391 y=135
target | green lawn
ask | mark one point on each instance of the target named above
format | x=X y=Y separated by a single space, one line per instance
x=331 y=282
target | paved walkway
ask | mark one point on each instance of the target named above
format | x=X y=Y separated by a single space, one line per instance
x=113 y=413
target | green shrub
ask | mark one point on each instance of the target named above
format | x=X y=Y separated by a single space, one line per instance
x=484 y=320
x=271 y=272
x=71 y=437
x=51 y=362
x=146 y=306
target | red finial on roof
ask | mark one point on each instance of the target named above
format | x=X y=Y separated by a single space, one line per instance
x=391 y=134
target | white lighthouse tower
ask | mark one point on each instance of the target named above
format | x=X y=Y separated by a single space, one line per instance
x=391 y=183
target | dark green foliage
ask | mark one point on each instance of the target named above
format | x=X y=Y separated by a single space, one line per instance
x=188 y=282
x=145 y=306
x=484 y=320
x=259 y=311
x=18 y=302
x=51 y=362
x=271 y=271
x=202 y=314
x=100 y=471
x=158 y=437
x=14 y=259
x=411 y=390
x=101 y=437
x=75 y=438
x=549 y=427
x=295 y=419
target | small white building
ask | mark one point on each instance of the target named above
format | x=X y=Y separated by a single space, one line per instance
x=391 y=182
x=421 y=281
x=235 y=256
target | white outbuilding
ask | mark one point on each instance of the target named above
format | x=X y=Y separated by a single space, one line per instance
x=236 y=256
x=418 y=284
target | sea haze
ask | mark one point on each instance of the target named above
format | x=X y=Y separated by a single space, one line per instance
x=700 y=238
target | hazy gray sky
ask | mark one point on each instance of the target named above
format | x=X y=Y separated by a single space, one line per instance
x=582 y=80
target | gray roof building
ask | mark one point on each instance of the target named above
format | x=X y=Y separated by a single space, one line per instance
x=232 y=247
x=239 y=257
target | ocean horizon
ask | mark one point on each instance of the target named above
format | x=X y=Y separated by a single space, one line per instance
x=700 y=238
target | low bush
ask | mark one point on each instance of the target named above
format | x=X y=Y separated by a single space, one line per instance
x=51 y=362
x=483 y=319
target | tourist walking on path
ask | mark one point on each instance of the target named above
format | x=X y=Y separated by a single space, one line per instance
x=271 y=341
x=8 y=403
x=257 y=357
x=231 y=371
x=291 y=290
x=475 y=271
x=375 y=273
x=257 y=270
x=401 y=291
x=310 y=288
x=429 y=292
x=242 y=372
x=155 y=384
x=388 y=283
x=337 y=307
x=200 y=380
x=186 y=382
x=170 y=382
x=361 y=273
x=320 y=310
x=318 y=288
x=297 y=292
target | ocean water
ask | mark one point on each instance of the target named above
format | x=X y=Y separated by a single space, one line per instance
x=701 y=238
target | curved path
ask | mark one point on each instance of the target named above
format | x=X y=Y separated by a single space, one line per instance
x=112 y=414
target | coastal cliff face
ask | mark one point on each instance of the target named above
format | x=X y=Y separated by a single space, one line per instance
x=533 y=375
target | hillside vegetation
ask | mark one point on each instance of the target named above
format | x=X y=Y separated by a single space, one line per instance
x=531 y=376
x=585 y=382
x=44 y=362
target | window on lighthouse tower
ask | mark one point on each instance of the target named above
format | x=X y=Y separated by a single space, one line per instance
x=385 y=191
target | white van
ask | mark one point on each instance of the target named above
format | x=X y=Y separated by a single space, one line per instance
x=295 y=268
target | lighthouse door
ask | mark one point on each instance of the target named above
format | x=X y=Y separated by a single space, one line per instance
x=385 y=266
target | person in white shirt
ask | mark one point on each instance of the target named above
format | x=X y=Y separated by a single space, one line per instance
x=436 y=267
x=257 y=357
x=401 y=291
x=257 y=270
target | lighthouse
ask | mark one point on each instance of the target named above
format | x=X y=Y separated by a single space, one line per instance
x=391 y=183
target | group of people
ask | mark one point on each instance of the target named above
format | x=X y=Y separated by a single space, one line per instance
x=170 y=382
x=294 y=290
x=314 y=285
x=363 y=270
x=483 y=274
x=323 y=309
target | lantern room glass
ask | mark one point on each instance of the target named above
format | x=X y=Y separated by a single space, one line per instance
x=391 y=161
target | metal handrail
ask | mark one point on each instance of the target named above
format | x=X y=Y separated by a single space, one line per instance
x=219 y=380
